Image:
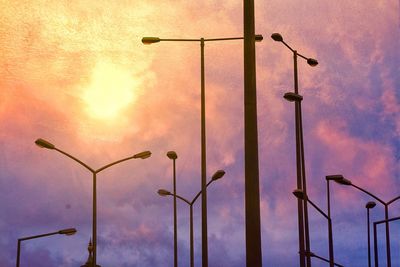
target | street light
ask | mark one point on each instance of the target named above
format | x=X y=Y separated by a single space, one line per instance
x=142 y=155
x=301 y=195
x=304 y=236
x=368 y=206
x=151 y=40
x=172 y=155
x=162 y=192
x=68 y=231
x=343 y=181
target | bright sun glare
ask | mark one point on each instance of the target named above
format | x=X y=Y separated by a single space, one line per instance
x=112 y=88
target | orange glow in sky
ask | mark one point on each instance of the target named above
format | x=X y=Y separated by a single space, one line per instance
x=75 y=73
x=110 y=91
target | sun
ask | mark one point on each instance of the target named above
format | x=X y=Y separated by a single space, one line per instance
x=112 y=88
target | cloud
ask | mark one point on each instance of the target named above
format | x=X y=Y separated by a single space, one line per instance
x=50 y=54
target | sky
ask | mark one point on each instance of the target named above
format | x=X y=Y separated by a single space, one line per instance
x=76 y=74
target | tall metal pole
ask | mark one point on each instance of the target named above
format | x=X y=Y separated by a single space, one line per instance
x=328 y=193
x=369 y=241
x=18 y=252
x=204 y=234
x=304 y=184
x=375 y=247
x=389 y=263
x=331 y=256
x=175 y=218
x=252 y=195
x=300 y=204
x=94 y=222
x=191 y=236
x=300 y=144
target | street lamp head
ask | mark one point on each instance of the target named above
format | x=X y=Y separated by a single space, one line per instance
x=44 y=144
x=150 y=40
x=370 y=205
x=163 y=192
x=259 y=37
x=339 y=179
x=218 y=175
x=172 y=155
x=312 y=62
x=334 y=177
x=292 y=97
x=299 y=193
x=344 y=181
x=277 y=37
x=68 y=231
x=142 y=155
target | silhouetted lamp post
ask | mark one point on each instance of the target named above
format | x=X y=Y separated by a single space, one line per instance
x=172 y=155
x=368 y=206
x=68 y=231
x=142 y=155
x=343 y=181
x=162 y=192
x=304 y=238
x=301 y=195
x=152 y=40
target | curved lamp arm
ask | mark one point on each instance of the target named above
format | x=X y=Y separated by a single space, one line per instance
x=141 y=155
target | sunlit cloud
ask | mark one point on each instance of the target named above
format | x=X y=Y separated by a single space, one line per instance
x=77 y=74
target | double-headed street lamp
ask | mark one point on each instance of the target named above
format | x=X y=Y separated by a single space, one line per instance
x=343 y=181
x=368 y=206
x=162 y=192
x=301 y=195
x=304 y=238
x=68 y=231
x=142 y=155
x=202 y=41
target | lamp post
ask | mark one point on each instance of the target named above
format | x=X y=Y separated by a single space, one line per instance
x=301 y=195
x=251 y=168
x=343 y=181
x=202 y=41
x=368 y=206
x=304 y=238
x=172 y=155
x=142 y=155
x=68 y=231
x=162 y=192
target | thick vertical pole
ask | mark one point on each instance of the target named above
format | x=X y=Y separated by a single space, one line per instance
x=191 y=237
x=175 y=218
x=252 y=194
x=369 y=242
x=204 y=237
x=300 y=205
x=94 y=222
